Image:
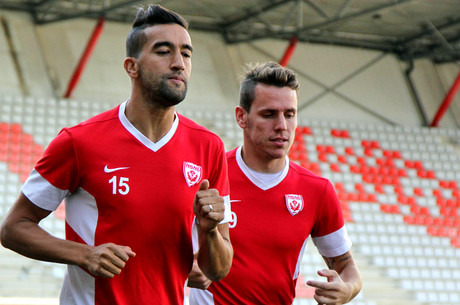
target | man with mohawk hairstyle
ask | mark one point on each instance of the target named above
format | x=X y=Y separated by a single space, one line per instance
x=132 y=191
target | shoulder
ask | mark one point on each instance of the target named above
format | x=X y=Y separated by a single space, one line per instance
x=231 y=154
x=198 y=130
x=93 y=123
x=306 y=175
x=108 y=115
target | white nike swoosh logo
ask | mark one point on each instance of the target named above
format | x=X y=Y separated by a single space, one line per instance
x=110 y=170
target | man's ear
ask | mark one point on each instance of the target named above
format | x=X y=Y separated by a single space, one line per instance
x=241 y=116
x=131 y=67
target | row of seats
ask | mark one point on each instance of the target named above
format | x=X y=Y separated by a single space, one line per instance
x=393 y=196
x=372 y=178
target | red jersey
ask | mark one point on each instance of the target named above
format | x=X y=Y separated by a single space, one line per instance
x=269 y=231
x=122 y=188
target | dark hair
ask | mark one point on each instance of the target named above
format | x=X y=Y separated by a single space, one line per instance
x=269 y=73
x=154 y=14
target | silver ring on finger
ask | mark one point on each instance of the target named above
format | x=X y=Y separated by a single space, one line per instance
x=210 y=208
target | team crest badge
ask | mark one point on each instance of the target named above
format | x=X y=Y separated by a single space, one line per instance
x=192 y=173
x=294 y=203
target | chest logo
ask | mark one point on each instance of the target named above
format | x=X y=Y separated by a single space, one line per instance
x=294 y=203
x=110 y=170
x=192 y=173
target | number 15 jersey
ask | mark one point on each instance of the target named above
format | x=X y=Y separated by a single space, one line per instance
x=120 y=187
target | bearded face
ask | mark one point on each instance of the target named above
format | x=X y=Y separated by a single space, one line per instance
x=164 y=65
x=164 y=89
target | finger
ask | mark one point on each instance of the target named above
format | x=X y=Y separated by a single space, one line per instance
x=206 y=209
x=315 y=284
x=204 y=185
x=330 y=274
x=211 y=196
x=321 y=300
x=322 y=285
x=325 y=297
x=105 y=273
x=121 y=252
x=115 y=261
x=129 y=252
x=211 y=206
x=111 y=268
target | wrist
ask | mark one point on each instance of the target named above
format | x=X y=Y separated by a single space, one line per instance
x=210 y=233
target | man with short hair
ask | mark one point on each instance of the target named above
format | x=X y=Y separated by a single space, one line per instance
x=276 y=206
x=135 y=180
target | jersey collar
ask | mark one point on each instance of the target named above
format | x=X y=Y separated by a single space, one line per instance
x=264 y=185
x=143 y=139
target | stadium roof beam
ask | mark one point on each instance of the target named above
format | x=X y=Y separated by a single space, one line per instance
x=86 y=13
x=308 y=27
x=252 y=13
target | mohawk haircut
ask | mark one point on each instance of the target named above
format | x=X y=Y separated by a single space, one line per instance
x=153 y=15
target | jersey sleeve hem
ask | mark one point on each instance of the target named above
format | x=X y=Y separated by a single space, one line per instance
x=228 y=210
x=334 y=244
x=42 y=193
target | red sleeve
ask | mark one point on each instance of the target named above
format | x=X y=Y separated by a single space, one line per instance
x=219 y=176
x=330 y=216
x=59 y=164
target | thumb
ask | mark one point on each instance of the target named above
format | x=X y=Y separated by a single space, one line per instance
x=204 y=185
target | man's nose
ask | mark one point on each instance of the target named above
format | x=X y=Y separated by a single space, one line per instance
x=177 y=61
x=281 y=123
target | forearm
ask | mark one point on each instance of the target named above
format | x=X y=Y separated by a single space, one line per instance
x=27 y=238
x=352 y=277
x=342 y=272
x=215 y=254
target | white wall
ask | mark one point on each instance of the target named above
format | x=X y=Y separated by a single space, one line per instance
x=48 y=55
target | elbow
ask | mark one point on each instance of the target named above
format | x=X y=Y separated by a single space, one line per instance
x=9 y=234
x=217 y=275
x=5 y=235
x=227 y=265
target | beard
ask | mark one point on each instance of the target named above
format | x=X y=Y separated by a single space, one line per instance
x=161 y=91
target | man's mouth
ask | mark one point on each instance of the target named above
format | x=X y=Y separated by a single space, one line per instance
x=279 y=140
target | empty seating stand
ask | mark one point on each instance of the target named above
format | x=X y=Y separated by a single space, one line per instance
x=398 y=187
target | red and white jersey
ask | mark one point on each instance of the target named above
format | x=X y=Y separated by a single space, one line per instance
x=269 y=230
x=120 y=187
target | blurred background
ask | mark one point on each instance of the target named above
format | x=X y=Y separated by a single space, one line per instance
x=379 y=115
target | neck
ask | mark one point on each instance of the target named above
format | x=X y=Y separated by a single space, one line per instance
x=151 y=120
x=262 y=165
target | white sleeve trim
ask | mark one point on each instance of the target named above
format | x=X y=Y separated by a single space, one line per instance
x=333 y=244
x=200 y=297
x=228 y=210
x=42 y=193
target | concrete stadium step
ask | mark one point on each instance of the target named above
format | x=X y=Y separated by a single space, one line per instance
x=378 y=287
x=24 y=277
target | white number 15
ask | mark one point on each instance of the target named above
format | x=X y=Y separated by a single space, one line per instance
x=122 y=187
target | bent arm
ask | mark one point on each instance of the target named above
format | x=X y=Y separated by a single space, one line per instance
x=215 y=253
x=343 y=281
x=21 y=233
x=348 y=271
